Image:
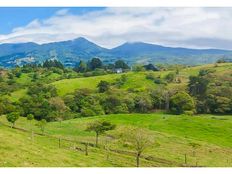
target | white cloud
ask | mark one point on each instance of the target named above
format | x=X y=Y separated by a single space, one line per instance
x=113 y=26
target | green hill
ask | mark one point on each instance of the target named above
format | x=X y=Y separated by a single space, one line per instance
x=173 y=135
x=135 y=80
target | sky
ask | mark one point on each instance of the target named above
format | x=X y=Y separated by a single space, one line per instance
x=110 y=27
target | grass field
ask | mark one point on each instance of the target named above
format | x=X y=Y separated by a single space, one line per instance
x=135 y=80
x=173 y=137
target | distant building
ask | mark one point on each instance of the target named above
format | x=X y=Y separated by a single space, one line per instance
x=118 y=70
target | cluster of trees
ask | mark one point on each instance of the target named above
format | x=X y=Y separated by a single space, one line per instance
x=111 y=100
x=206 y=93
x=43 y=103
x=212 y=92
x=96 y=64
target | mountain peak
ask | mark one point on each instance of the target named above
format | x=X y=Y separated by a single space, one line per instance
x=80 y=39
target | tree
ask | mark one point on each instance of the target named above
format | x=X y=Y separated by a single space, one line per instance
x=181 y=102
x=143 y=103
x=41 y=124
x=117 y=101
x=198 y=86
x=103 y=86
x=121 y=81
x=81 y=67
x=30 y=117
x=59 y=106
x=137 y=138
x=95 y=63
x=151 y=67
x=13 y=117
x=53 y=63
x=121 y=64
x=100 y=127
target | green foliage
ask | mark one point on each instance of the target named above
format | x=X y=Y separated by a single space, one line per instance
x=121 y=64
x=170 y=77
x=42 y=90
x=121 y=81
x=117 y=101
x=6 y=106
x=81 y=67
x=143 y=103
x=103 y=86
x=30 y=117
x=181 y=102
x=13 y=117
x=94 y=64
x=138 y=68
x=53 y=63
x=151 y=67
x=100 y=127
x=138 y=139
x=42 y=124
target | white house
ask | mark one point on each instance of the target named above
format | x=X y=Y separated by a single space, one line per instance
x=118 y=70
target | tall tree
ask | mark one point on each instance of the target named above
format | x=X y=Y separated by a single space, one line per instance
x=121 y=64
x=103 y=86
x=81 y=67
x=181 y=102
x=95 y=63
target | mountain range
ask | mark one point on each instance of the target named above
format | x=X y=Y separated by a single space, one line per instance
x=72 y=51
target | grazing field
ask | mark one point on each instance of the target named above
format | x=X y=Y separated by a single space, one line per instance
x=135 y=80
x=175 y=137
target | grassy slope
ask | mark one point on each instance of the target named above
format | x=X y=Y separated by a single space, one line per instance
x=173 y=135
x=135 y=80
x=17 y=149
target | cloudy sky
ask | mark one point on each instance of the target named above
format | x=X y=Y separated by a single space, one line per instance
x=110 y=27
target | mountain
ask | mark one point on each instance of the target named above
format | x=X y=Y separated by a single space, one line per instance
x=72 y=51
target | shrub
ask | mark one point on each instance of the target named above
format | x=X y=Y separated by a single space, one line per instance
x=181 y=102
x=86 y=112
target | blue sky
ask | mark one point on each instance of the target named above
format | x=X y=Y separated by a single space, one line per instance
x=13 y=17
x=110 y=27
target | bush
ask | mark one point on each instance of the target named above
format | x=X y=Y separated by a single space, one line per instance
x=143 y=103
x=150 y=76
x=181 y=102
x=86 y=112
x=170 y=77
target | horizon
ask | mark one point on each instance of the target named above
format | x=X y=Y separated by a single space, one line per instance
x=193 y=28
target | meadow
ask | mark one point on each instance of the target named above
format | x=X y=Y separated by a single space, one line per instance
x=174 y=137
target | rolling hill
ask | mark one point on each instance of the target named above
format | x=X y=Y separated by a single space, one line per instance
x=173 y=135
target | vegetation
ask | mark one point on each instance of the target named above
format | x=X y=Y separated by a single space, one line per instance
x=100 y=128
x=12 y=118
x=172 y=135
x=92 y=104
